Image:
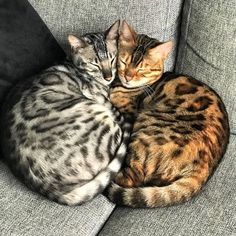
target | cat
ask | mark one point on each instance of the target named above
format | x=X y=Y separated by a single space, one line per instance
x=181 y=127
x=59 y=131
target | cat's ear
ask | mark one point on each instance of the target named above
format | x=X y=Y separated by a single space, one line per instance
x=127 y=33
x=113 y=32
x=76 y=42
x=161 y=51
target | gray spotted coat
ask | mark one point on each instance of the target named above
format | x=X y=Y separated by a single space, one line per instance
x=59 y=131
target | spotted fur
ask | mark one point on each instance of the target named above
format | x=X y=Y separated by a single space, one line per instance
x=59 y=131
x=181 y=127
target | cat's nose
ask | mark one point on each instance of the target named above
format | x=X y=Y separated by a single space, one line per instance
x=129 y=73
x=128 y=78
x=107 y=74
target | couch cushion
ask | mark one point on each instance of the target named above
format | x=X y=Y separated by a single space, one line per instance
x=159 y=19
x=26 y=44
x=208 y=48
x=210 y=213
x=25 y=213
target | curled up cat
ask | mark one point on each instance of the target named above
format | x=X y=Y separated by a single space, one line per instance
x=59 y=131
x=181 y=127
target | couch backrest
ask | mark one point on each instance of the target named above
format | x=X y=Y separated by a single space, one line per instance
x=208 y=48
x=159 y=19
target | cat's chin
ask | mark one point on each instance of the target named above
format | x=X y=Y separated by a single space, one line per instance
x=131 y=86
x=108 y=83
x=128 y=85
x=104 y=82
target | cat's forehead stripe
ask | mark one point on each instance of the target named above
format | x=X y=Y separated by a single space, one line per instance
x=99 y=45
x=143 y=44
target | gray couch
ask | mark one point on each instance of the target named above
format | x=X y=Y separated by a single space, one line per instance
x=205 y=47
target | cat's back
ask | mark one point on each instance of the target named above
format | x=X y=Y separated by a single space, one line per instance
x=185 y=114
x=53 y=77
x=32 y=101
x=180 y=94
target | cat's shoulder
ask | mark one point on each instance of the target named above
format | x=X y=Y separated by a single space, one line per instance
x=178 y=77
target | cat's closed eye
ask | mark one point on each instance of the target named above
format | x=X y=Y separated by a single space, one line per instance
x=142 y=69
x=113 y=59
x=95 y=65
x=158 y=69
x=123 y=62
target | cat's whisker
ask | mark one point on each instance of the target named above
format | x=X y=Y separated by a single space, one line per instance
x=150 y=88
x=147 y=91
x=144 y=89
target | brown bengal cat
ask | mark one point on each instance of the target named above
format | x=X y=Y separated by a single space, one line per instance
x=181 y=128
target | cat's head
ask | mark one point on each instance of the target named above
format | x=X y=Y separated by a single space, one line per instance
x=141 y=58
x=96 y=53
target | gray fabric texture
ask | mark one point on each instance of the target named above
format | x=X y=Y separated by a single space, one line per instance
x=159 y=19
x=25 y=213
x=211 y=213
x=207 y=49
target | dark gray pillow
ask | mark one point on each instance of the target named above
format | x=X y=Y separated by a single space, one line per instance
x=26 y=44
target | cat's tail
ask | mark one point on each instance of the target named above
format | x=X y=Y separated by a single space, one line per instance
x=179 y=191
x=91 y=189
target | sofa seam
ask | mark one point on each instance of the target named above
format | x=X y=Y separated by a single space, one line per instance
x=184 y=33
x=167 y=19
x=178 y=38
x=107 y=219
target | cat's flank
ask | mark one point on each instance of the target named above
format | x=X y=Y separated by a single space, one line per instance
x=59 y=132
x=181 y=129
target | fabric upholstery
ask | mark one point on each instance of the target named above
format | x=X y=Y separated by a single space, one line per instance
x=212 y=212
x=25 y=213
x=158 y=19
x=207 y=49
x=26 y=44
